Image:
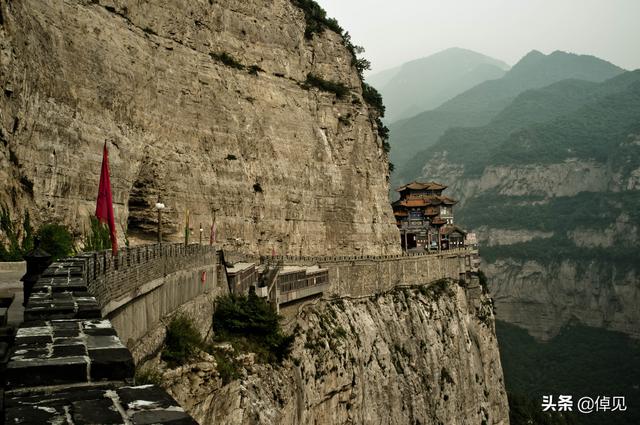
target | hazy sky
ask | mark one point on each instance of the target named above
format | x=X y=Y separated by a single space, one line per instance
x=393 y=32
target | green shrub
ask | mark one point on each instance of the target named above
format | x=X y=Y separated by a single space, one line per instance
x=227 y=60
x=373 y=98
x=27 y=234
x=244 y=315
x=436 y=289
x=339 y=89
x=316 y=19
x=56 y=240
x=98 y=238
x=227 y=367
x=148 y=375
x=183 y=340
x=251 y=325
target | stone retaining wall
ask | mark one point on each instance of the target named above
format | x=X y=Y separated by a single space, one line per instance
x=141 y=288
x=113 y=279
x=13 y=266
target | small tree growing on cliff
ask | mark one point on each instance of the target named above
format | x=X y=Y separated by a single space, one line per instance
x=249 y=322
x=10 y=234
x=183 y=340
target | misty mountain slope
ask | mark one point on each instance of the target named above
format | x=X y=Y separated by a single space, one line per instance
x=474 y=146
x=579 y=360
x=479 y=105
x=556 y=203
x=379 y=79
x=426 y=83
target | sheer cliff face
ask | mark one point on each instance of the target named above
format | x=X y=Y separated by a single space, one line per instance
x=544 y=297
x=592 y=275
x=406 y=357
x=278 y=164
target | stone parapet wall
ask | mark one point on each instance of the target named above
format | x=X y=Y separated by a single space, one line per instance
x=310 y=260
x=141 y=288
x=370 y=274
x=116 y=278
x=367 y=277
x=234 y=256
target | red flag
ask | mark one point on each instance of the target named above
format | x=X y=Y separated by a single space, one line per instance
x=104 y=205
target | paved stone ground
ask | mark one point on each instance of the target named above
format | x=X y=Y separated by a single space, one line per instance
x=67 y=364
x=108 y=404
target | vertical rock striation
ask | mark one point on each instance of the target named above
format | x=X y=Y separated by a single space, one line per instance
x=203 y=104
x=595 y=278
x=410 y=356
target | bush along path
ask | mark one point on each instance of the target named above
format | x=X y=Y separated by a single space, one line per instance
x=246 y=331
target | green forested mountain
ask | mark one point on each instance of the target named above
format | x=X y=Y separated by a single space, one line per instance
x=563 y=119
x=479 y=105
x=597 y=131
x=596 y=123
x=551 y=183
x=426 y=83
x=580 y=361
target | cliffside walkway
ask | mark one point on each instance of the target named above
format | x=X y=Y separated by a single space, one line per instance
x=67 y=363
x=90 y=318
x=370 y=274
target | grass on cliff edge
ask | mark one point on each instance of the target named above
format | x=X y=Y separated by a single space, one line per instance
x=182 y=342
x=250 y=324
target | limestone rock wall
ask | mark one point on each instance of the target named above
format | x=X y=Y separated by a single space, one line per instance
x=404 y=357
x=278 y=164
x=543 y=296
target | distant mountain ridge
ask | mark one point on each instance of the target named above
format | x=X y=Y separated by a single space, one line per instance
x=478 y=105
x=425 y=83
x=474 y=146
x=552 y=187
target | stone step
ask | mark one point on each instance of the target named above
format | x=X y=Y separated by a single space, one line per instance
x=60 y=284
x=61 y=305
x=146 y=404
x=58 y=352
x=65 y=268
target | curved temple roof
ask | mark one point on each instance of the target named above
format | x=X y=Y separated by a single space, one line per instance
x=421 y=186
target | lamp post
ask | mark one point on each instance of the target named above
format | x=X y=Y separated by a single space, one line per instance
x=201 y=230
x=159 y=207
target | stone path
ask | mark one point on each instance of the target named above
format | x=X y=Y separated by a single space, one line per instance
x=68 y=366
